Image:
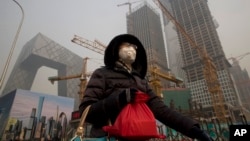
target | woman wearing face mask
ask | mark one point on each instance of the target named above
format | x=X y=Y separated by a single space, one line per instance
x=113 y=86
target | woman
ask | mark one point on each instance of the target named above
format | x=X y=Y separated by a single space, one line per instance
x=111 y=87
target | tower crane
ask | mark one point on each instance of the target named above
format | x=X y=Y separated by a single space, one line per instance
x=155 y=81
x=95 y=46
x=238 y=58
x=83 y=78
x=209 y=68
x=129 y=5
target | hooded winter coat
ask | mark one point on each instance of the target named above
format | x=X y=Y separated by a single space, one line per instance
x=106 y=83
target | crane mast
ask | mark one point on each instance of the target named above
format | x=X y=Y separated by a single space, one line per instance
x=209 y=68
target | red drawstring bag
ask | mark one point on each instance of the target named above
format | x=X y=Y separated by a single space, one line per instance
x=135 y=121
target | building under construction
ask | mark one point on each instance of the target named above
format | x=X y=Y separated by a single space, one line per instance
x=195 y=18
x=145 y=23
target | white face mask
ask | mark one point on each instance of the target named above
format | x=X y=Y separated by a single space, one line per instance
x=127 y=54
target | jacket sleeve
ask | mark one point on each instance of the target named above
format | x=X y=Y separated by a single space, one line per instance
x=171 y=118
x=102 y=107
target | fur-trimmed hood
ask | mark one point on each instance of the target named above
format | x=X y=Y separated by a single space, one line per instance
x=111 y=53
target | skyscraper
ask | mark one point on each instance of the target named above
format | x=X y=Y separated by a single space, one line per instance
x=145 y=23
x=196 y=19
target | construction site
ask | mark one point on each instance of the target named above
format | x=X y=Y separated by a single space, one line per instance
x=209 y=87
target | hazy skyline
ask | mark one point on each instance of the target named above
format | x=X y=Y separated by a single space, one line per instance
x=60 y=20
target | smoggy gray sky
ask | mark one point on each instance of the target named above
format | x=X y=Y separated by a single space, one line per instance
x=60 y=20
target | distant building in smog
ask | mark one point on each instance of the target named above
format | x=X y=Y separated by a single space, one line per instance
x=242 y=82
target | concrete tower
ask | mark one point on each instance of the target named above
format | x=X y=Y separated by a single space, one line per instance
x=196 y=19
x=145 y=23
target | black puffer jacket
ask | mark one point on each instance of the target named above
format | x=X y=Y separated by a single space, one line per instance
x=106 y=84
